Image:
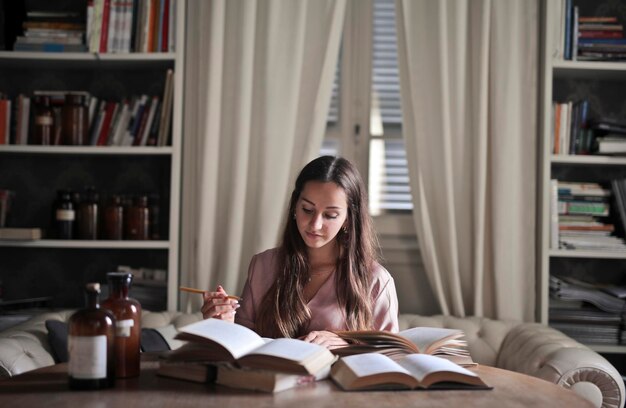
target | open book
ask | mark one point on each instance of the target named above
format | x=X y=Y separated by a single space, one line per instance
x=446 y=343
x=216 y=340
x=371 y=371
x=264 y=380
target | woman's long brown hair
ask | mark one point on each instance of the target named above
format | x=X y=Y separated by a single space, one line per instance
x=283 y=311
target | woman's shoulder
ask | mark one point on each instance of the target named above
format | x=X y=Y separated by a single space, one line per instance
x=379 y=273
x=264 y=261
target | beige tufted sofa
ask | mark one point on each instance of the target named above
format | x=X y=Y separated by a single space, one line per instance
x=528 y=348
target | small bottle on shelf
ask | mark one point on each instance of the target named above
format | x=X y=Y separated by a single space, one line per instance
x=138 y=219
x=113 y=225
x=44 y=121
x=87 y=216
x=64 y=215
x=91 y=342
x=74 y=120
x=127 y=312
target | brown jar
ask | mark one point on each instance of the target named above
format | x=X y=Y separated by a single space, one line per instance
x=91 y=342
x=113 y=223
x=75 y=120
x=127 y=312
x=44 y=122
x=138 y=219
x=87 y=217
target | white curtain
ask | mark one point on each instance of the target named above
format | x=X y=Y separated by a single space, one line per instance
x=258 y=82
x=468 y=74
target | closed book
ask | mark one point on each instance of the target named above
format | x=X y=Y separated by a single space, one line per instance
x=264 y=380
x=188 y=371
x=27 y=234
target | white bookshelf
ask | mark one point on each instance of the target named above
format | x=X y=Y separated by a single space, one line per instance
x=101 y=62
x=567 y=73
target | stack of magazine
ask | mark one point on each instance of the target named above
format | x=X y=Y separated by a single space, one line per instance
x=587 y=312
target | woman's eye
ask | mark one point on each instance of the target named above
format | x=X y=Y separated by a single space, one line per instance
x=307 y=210
x=331 y=217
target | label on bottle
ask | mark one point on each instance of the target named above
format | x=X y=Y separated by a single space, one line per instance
x=122 y=327
x=87 y=356
x=65 y=215
x=43 y=120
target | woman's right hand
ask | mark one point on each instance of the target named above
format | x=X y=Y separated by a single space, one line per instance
x=218 y=306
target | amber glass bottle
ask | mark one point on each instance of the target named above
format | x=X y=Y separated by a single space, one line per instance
x=113 y=225
x=127 y=313
x=87 y=215
x=44 y=121
x=91 y=339
x=138 y=219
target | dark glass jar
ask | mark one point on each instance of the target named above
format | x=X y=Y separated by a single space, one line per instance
x=127 y=312
x=87 y=216
x=75 y=120
x=113 y=224
x=44 y=122
x=138 y=219
x=64 y=215
x=91 y=342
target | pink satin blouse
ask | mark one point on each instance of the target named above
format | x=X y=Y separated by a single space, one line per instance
x=325 y=311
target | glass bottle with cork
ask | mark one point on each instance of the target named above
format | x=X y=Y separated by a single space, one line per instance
x=113 y=226
x=75 y=120
x=64 y=215
x=91 y=342
x=44 y=122
x=87 y=216
x=138 y=219
x=127 y=312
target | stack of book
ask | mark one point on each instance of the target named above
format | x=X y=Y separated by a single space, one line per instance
x=611 y=136
x=55 y=31
x=571 y=133
x=589 y=38
x=235 y=356
x=579 y=218
x=589 y=313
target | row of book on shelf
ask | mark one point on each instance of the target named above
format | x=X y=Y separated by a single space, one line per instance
x=581 y=216
x=106 y=26
x=588 y=38
x=235 y=356
x=589 y=312
x=140 y=120
x=574 y=133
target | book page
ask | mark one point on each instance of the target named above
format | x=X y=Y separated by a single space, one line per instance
x=427 y=339
x=421 y=365
x=364 y=365
x=237 y=339
x=289 y=349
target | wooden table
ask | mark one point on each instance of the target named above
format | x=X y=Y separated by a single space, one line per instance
x=47 y=387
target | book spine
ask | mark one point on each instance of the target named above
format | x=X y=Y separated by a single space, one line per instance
x=568 y=30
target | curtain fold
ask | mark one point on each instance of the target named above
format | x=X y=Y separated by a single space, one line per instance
x=468 y=72
x=258 y=83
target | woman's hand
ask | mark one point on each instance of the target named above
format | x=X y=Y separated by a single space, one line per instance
x=325 y=338
x=217 y=305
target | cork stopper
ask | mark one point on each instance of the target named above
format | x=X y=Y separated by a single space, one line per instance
x=93 y=287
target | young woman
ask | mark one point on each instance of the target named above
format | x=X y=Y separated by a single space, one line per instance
x=325 y=275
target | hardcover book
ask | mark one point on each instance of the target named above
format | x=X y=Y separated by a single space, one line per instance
x=373 y=371
x=216 y=340
x=446 y=343
x=264 y=380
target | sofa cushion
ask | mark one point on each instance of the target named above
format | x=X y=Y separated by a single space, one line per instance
x=57 y=340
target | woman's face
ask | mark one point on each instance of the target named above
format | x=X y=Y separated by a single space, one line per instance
x=321 y=211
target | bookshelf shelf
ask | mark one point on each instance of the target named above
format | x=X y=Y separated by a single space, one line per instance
x=600 y=69
x=588 y=160
x=35 y=173
x=572 y=253
x=97 y=244
x=88 y=150
x=584 y=90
